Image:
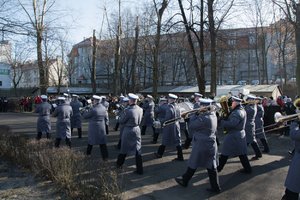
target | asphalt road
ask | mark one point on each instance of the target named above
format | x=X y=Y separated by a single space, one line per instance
x=157 y=182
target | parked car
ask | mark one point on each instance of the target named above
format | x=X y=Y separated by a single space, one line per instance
x=254 y=82
x=242 y=82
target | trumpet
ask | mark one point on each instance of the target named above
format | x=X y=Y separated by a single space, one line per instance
x=187 y=114
x=85 y=109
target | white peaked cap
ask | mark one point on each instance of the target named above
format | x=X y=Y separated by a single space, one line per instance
x=96 y=97
x=44 y=96
x=149 y=96
x=125 y=99
x=234 y=98
x=198 y=95
x=173 y=96
x=133 y=96
x=206 y=101
x=75 y=95
x=249 y=96
x=61 y=98
x=65 y=94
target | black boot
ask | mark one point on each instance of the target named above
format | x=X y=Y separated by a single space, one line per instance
x=214 y=180
x=155 y=137
x=160 y=151
x=218 y=142
x=104 y=151
x=143 y=131
x=117 y=126
x=118 y=146
x=266 y=145
x=139 y=164
x=246 y=164
x=121 y=160
x=222 y=161
x=39 y=135
x=179 y=154
x=57 y=142
x=257 y=151
x=186 y=177
x=68 y=142
x=106 y=129
x=48 y=135
x=289 y=195
x=79 y=133
x=89 y=149
x=187 y=143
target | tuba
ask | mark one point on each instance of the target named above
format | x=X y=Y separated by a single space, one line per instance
x=224 y=106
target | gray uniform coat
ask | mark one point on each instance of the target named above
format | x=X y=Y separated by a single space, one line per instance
x=171 y=133
x=292 y=181
x=131 y=135
x=234 y=143
x=204 y=149
x=76 y=117
x=251 y=110
x=97 y=117
x=43 y=122
x=160 y=112
x=148 y=108
x=106 y=105
x=63 y=113
x=259 y=122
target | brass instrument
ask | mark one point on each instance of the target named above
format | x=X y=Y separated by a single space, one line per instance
x=279 y=118
x=297 y=103
x=224 y=106
x=187 y=114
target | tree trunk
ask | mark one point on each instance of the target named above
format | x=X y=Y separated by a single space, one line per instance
x=213 y=52
x=43 y=85
x=93 y=75
x=133 y=70
x=200 y=81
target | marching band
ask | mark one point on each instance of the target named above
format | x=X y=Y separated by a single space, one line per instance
x=241 y=120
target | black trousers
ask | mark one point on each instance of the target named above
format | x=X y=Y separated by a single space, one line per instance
x=79 y=131
x=57 y=142
x=289 y=195
x=103 y=149
x=243 y=159
x=138 y=162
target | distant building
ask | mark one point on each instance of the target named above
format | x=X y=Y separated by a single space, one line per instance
x=244 y=55
x=5 y=54
x=29 y=73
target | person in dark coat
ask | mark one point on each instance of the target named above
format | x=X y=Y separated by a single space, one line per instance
x=123 y=106
x=148 y=118
x=97 y=117
x=259 y=125
x=203 y=125
x=76 y=117
x=234 y=143
x=43 y=122
x=292 y=182
x=251 y=111
x=118 y=109
x=171 y=133
x=131 y=143
x=160 y=113
x=63 y=112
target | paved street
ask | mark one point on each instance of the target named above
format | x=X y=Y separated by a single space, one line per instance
x=266 y=181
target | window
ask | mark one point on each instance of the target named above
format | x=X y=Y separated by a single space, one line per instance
x=0 y=83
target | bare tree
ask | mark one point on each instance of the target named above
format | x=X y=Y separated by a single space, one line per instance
x=291 y=9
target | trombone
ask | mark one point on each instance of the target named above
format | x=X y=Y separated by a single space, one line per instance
x=187 y=114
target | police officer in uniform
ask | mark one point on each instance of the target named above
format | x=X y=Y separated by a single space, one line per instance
x=292 y=182
x=122 y=108
x=160 y=113
x=234 y=143
x=63 y=112
x=76 y=117
x=251 y=111
x=43 y=122
x=106 y=105
x=97 y=117
x=203 y=125
x=171 y=132
x=259 y=125
x=148 y=118
x=131 y=143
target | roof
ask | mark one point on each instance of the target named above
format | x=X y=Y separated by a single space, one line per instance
x=77 y=90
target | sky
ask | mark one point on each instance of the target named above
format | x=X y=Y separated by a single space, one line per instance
x=86 y=15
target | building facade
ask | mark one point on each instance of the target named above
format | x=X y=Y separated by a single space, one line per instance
x=5 y=54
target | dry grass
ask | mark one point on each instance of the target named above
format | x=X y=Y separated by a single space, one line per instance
x=80 y=177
